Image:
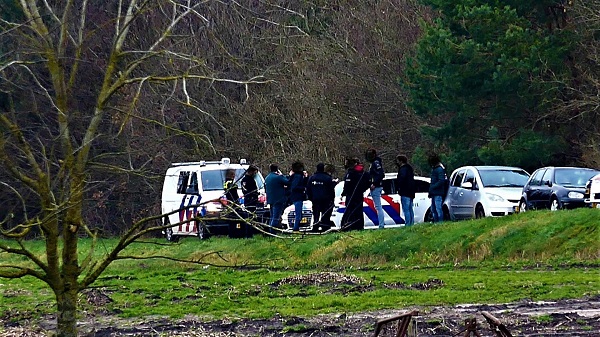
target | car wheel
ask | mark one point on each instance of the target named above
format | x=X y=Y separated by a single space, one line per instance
x=202 y=232
x=169 y=233
x=479 y=212
x=428 y=216
x=555 y=205
x=447 y=216
x=522 y=206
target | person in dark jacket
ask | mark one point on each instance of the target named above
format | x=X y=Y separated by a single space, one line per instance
x=406 y=188
x=377 y=174
x=437 y=187
x=298 y=181
x=231 y=187
x=250 y=189
x=320 y=191
x=356 y=182
x=275 y=186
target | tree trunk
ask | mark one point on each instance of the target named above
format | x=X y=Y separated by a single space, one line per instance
x=67 y=312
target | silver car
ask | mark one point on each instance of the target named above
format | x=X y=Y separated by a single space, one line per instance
x=483 y=191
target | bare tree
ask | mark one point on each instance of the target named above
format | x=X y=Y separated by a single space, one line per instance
x=72 y=76
x=582 y=108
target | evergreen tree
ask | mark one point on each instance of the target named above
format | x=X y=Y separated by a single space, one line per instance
x=489 y=69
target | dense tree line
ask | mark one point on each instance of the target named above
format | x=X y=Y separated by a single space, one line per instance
x=478 y=82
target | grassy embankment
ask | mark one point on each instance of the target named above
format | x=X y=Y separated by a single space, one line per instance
x=536 y=255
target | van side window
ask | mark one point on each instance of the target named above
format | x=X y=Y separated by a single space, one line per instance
x=212 y=180
x=193 y=186
x=182 y=183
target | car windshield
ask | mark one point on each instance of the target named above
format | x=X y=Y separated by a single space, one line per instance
x=573 y=177
x=213 y=180
x=503 y=178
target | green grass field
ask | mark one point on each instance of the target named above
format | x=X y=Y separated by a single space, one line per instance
x=535 y=255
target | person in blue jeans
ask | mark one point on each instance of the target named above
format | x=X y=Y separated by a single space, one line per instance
x=437 y=187
x=377 y=174
x=275 y=188
x=298 y=181
x=406 y=188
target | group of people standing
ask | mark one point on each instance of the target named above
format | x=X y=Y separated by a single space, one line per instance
x=298 y=186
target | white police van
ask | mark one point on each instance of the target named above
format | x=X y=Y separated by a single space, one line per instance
x=195 y=189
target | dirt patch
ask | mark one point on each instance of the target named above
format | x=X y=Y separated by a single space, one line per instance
x=579 y=317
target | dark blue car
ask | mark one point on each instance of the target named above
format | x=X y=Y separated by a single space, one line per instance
x=556 y=188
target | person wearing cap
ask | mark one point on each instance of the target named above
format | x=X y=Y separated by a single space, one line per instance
x=250 y=189
x=275 y=187
x=377 y=174
x=320 y=191
x=406 y=188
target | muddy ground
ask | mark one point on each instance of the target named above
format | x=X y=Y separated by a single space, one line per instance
x=579 y=317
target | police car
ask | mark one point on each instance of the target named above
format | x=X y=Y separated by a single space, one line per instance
x=592 y=192
x=394 y=217
x=195 y=189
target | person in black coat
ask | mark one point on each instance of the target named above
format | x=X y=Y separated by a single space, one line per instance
x=250 y=189
x=405 y=182
x=231 y=188
x=298 y=180
x=320 y=191
x=356 y=182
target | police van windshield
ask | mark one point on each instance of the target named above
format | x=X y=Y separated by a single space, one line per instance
x=213 y=180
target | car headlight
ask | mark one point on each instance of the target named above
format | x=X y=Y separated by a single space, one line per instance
x=575 y=195
x=494 y=197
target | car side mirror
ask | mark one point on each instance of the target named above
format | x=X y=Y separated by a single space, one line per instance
x=467 y=184
x=548 y=183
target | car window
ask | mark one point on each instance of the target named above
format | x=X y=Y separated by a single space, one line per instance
x=503 y=178
x=421 y=186
x=537 y=177
x=458 y=178
x=573 y=177
x=260 y=181
x=547 y=176
x=470 y=177
x=388 y=186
